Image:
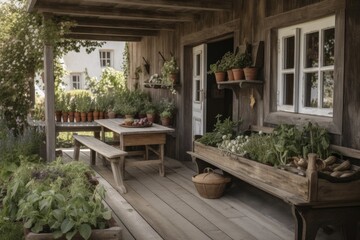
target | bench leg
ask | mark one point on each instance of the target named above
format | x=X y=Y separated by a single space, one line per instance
x=116 y=167
x=92 y=157
x=76 y=150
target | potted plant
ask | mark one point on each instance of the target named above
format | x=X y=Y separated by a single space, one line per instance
x=150 y=109
x=228 y=62
x=218 y=70
x=241 y=61
x=170 y=71
x=59 y=103
x=165 y=117
x=249 y=70
x=59 y=201
x=83 y=104
x=167 y=109
x=66 y=106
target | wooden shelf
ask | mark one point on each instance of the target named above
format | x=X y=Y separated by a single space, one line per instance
x=236 y=85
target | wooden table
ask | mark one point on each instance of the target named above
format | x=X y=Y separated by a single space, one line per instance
x=153 y=138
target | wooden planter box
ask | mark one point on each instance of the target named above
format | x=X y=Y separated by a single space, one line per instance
x=283 y=184
x=111 y=233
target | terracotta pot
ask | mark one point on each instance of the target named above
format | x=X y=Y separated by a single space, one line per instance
x=58 y=116
x=111 y=114
x=150 y=117
x=90 y=116
x=65 y=116
x=230 y=75
x=173 y=78
x=77 y=116
x=71 y=116
x=220 y=76
x=83 y=116
x=101 y=115
x=165 y=121
x=96 y=115
x=238 y=73
x=129 y=116
x=250 y=73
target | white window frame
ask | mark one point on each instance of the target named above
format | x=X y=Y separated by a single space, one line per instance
x=300 y=31
x=78 y=80
x=106 y=58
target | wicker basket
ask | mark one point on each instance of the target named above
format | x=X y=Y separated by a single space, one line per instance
x=210 y=184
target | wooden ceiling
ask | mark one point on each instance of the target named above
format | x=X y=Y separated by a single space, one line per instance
x=126 y=20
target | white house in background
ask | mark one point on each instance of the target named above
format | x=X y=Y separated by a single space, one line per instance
x=75 y=63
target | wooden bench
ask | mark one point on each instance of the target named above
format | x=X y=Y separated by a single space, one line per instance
x=115 y=156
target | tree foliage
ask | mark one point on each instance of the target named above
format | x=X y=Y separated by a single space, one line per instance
x=22 y=39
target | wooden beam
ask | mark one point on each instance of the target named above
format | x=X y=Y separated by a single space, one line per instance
x=113 y=31
x=113 y=13
x=102 y=37
x=112 y=23
x=202 y=5
x=30 y=5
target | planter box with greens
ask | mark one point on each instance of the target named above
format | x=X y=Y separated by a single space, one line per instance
x=61 y=199
x=291 y=163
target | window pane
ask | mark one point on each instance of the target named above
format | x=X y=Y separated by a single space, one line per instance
x=108 y=54
x=328 y=48
x=198 y=64
x=288 y=89
x=312 y=50
x=289 y=52
x=328 y=89
x=197 y=93
x=311 y=90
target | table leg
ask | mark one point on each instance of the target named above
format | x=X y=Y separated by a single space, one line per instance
x=161 y=155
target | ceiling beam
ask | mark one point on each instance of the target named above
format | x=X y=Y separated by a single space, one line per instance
x=111 y=23
x=114 y=31
x=202 y=5
x=113 y=13
x=102 y=37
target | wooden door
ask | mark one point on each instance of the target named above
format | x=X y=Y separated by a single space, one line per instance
x=199 y=90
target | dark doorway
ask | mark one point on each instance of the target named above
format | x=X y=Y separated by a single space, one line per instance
x=217 y=101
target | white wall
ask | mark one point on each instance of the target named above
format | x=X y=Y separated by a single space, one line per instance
x=77 y=62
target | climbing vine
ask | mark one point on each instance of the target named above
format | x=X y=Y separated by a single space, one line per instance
x=126 y=61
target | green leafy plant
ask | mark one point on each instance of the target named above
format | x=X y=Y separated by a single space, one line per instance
x=165 y=114
x=57 y=198
x=169 y=67
x=242 y=60
x=218 y=66
x=221 y=128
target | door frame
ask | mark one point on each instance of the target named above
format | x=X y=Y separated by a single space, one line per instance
x=187 y=42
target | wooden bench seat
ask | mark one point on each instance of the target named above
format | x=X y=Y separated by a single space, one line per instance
x=115 y=156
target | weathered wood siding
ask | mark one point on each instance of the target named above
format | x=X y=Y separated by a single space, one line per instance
x=247 y=20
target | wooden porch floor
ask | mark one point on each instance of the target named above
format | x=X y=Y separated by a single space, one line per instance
x=169 y=207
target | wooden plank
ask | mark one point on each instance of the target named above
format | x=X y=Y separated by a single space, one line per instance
x=128 y=215
x=165 y=228
x=199 y=205
x=113 y=31
x=144 y=139
x=150 y=191
x=183 y=176
x=102 y=37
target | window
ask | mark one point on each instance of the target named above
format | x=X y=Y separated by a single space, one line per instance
x=106 y=58
x=306 y=68
x=75 y=80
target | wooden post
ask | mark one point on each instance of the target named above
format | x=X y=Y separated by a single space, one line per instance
x=311 y=174
x=49 y=100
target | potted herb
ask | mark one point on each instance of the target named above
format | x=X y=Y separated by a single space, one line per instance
x=59 y=105
x=250 y=71
x=167 y=109
x=218 y=70
x=170 y=71
x=150 y=109
x=228 y=62
x=165 y=117
x=83 y=104
x=241 y=61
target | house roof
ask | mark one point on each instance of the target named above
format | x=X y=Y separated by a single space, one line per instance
x=125 y=20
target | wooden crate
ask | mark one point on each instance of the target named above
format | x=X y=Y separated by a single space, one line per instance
x=283 y=184
x=111 y=233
